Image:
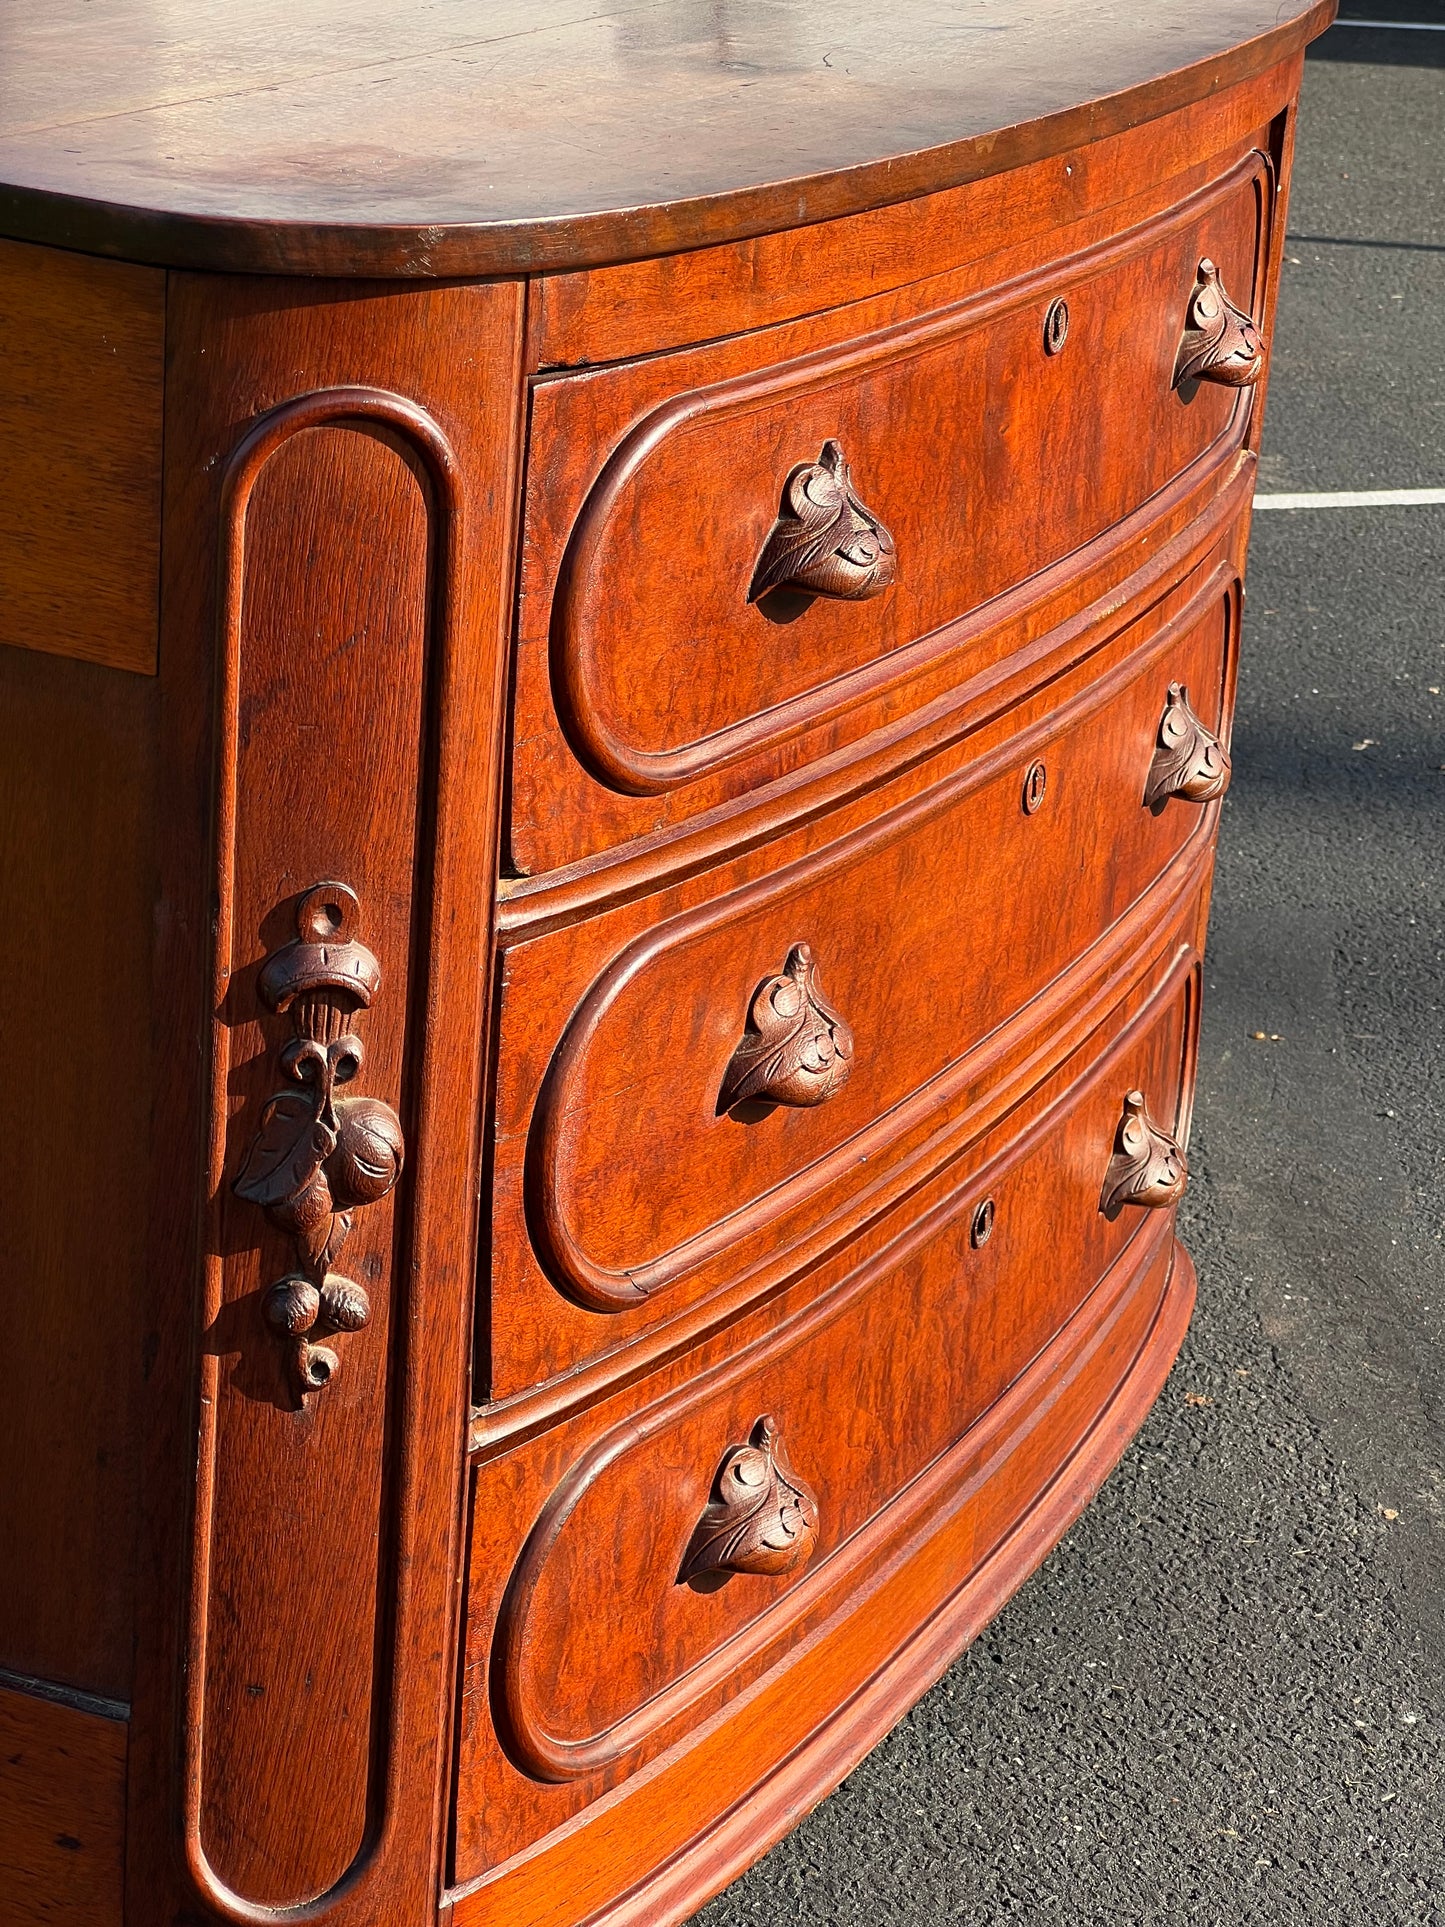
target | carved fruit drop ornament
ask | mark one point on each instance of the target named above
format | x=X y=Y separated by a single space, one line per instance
x=825 y=542
x=318 y=1157
x=1221 y=343
x=796 y=1049
x=762 y=1517
x=1148 y=1167
x=1189 y=759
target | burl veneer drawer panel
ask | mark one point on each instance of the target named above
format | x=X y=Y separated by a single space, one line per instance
x=654 y=1138
x=728 y=550
x=680 y=1540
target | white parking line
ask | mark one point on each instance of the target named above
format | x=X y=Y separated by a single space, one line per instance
x=1398 y=26
x=1355 y=498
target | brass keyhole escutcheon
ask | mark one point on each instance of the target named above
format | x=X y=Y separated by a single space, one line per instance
x=1036 y=783
x=1056 y=326
x=981 y=1230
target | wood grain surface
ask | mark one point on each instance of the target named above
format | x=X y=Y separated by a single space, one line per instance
x=618 y=1185
x=476 y=138
x=77 y=882
x=861 y=1416
x=62 y=1813
x=649 y=689
x=661 y=659
x=80 y=455
x=605 y=314
x=403 y=536
x=336 y=712
x=783 y=1675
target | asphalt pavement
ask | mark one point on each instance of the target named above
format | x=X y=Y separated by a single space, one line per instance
x=1220 y=1700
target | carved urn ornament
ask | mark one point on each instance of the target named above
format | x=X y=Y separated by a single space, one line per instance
x=318 y=1157
x=1189 y=760
x=825 y=542
x=762 y=1518
x=1221 y=343
x=796 y=1049
x=1148 y=1167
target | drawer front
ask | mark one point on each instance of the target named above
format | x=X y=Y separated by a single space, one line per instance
x=680 y=1542
x=982 y=444
x=674 y=1142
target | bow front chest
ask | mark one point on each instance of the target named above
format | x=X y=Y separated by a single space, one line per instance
x=617 y=640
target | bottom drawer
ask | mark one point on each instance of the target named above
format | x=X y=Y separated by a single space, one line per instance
x=688 y=1539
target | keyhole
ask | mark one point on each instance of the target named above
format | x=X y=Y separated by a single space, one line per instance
x=982 y=1228
x=1035 y=783
x=1056 y=327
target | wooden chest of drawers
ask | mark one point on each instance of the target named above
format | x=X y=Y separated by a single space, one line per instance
x=616 y=658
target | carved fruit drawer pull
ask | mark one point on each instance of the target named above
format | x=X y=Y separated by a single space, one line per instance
x=1189 y=760
x=1220 y=342
x=1147 y=1167
x=316 y=1157
x=796 y=1049
x=763 y=1517
x=825 y=542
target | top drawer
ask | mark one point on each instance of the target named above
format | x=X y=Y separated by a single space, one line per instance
x=987 y=445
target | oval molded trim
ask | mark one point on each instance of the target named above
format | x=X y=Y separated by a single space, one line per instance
x=1209 y=497
x=581 y=578
x=367 y=410
x=603 y=1288
x=552 y=1758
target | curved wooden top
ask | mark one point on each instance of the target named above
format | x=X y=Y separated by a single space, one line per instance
x=473 y=137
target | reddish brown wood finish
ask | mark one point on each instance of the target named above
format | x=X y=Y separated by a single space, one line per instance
x=356 y=733
x=986 y=229
x=613 y=1164
x=775 y=1016
x=77 y=882
x=663 y=667
x=862 y=1416
x=80 y=456
x=963 y=1517
x=512 y=136
x=62 y=1812
x=649 y=689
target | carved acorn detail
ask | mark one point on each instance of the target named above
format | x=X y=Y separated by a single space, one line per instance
x=825 y=542
x=369 y=1151
x=762 y=1517
x=1221 y=343
x=1148 y=1167
x=796 y=1049
x=1189 y=759
x=317 y=1157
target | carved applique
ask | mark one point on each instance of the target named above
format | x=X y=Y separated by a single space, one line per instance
x=1148 y=1167
x=317 y=1157
x=1189 y=760
x=796 y=1049
x=1221 y=343
x=762 y=1518
x=825 y=542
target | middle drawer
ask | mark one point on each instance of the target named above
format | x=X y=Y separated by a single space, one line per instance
x=780 y=1059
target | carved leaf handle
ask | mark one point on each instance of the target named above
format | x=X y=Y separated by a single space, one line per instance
x=825 y=542
x=796 y=1049
x=762 y=1517
x=318 y=1157
x=1221 y=343
x=1189 y=759
x=1148 y=1167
